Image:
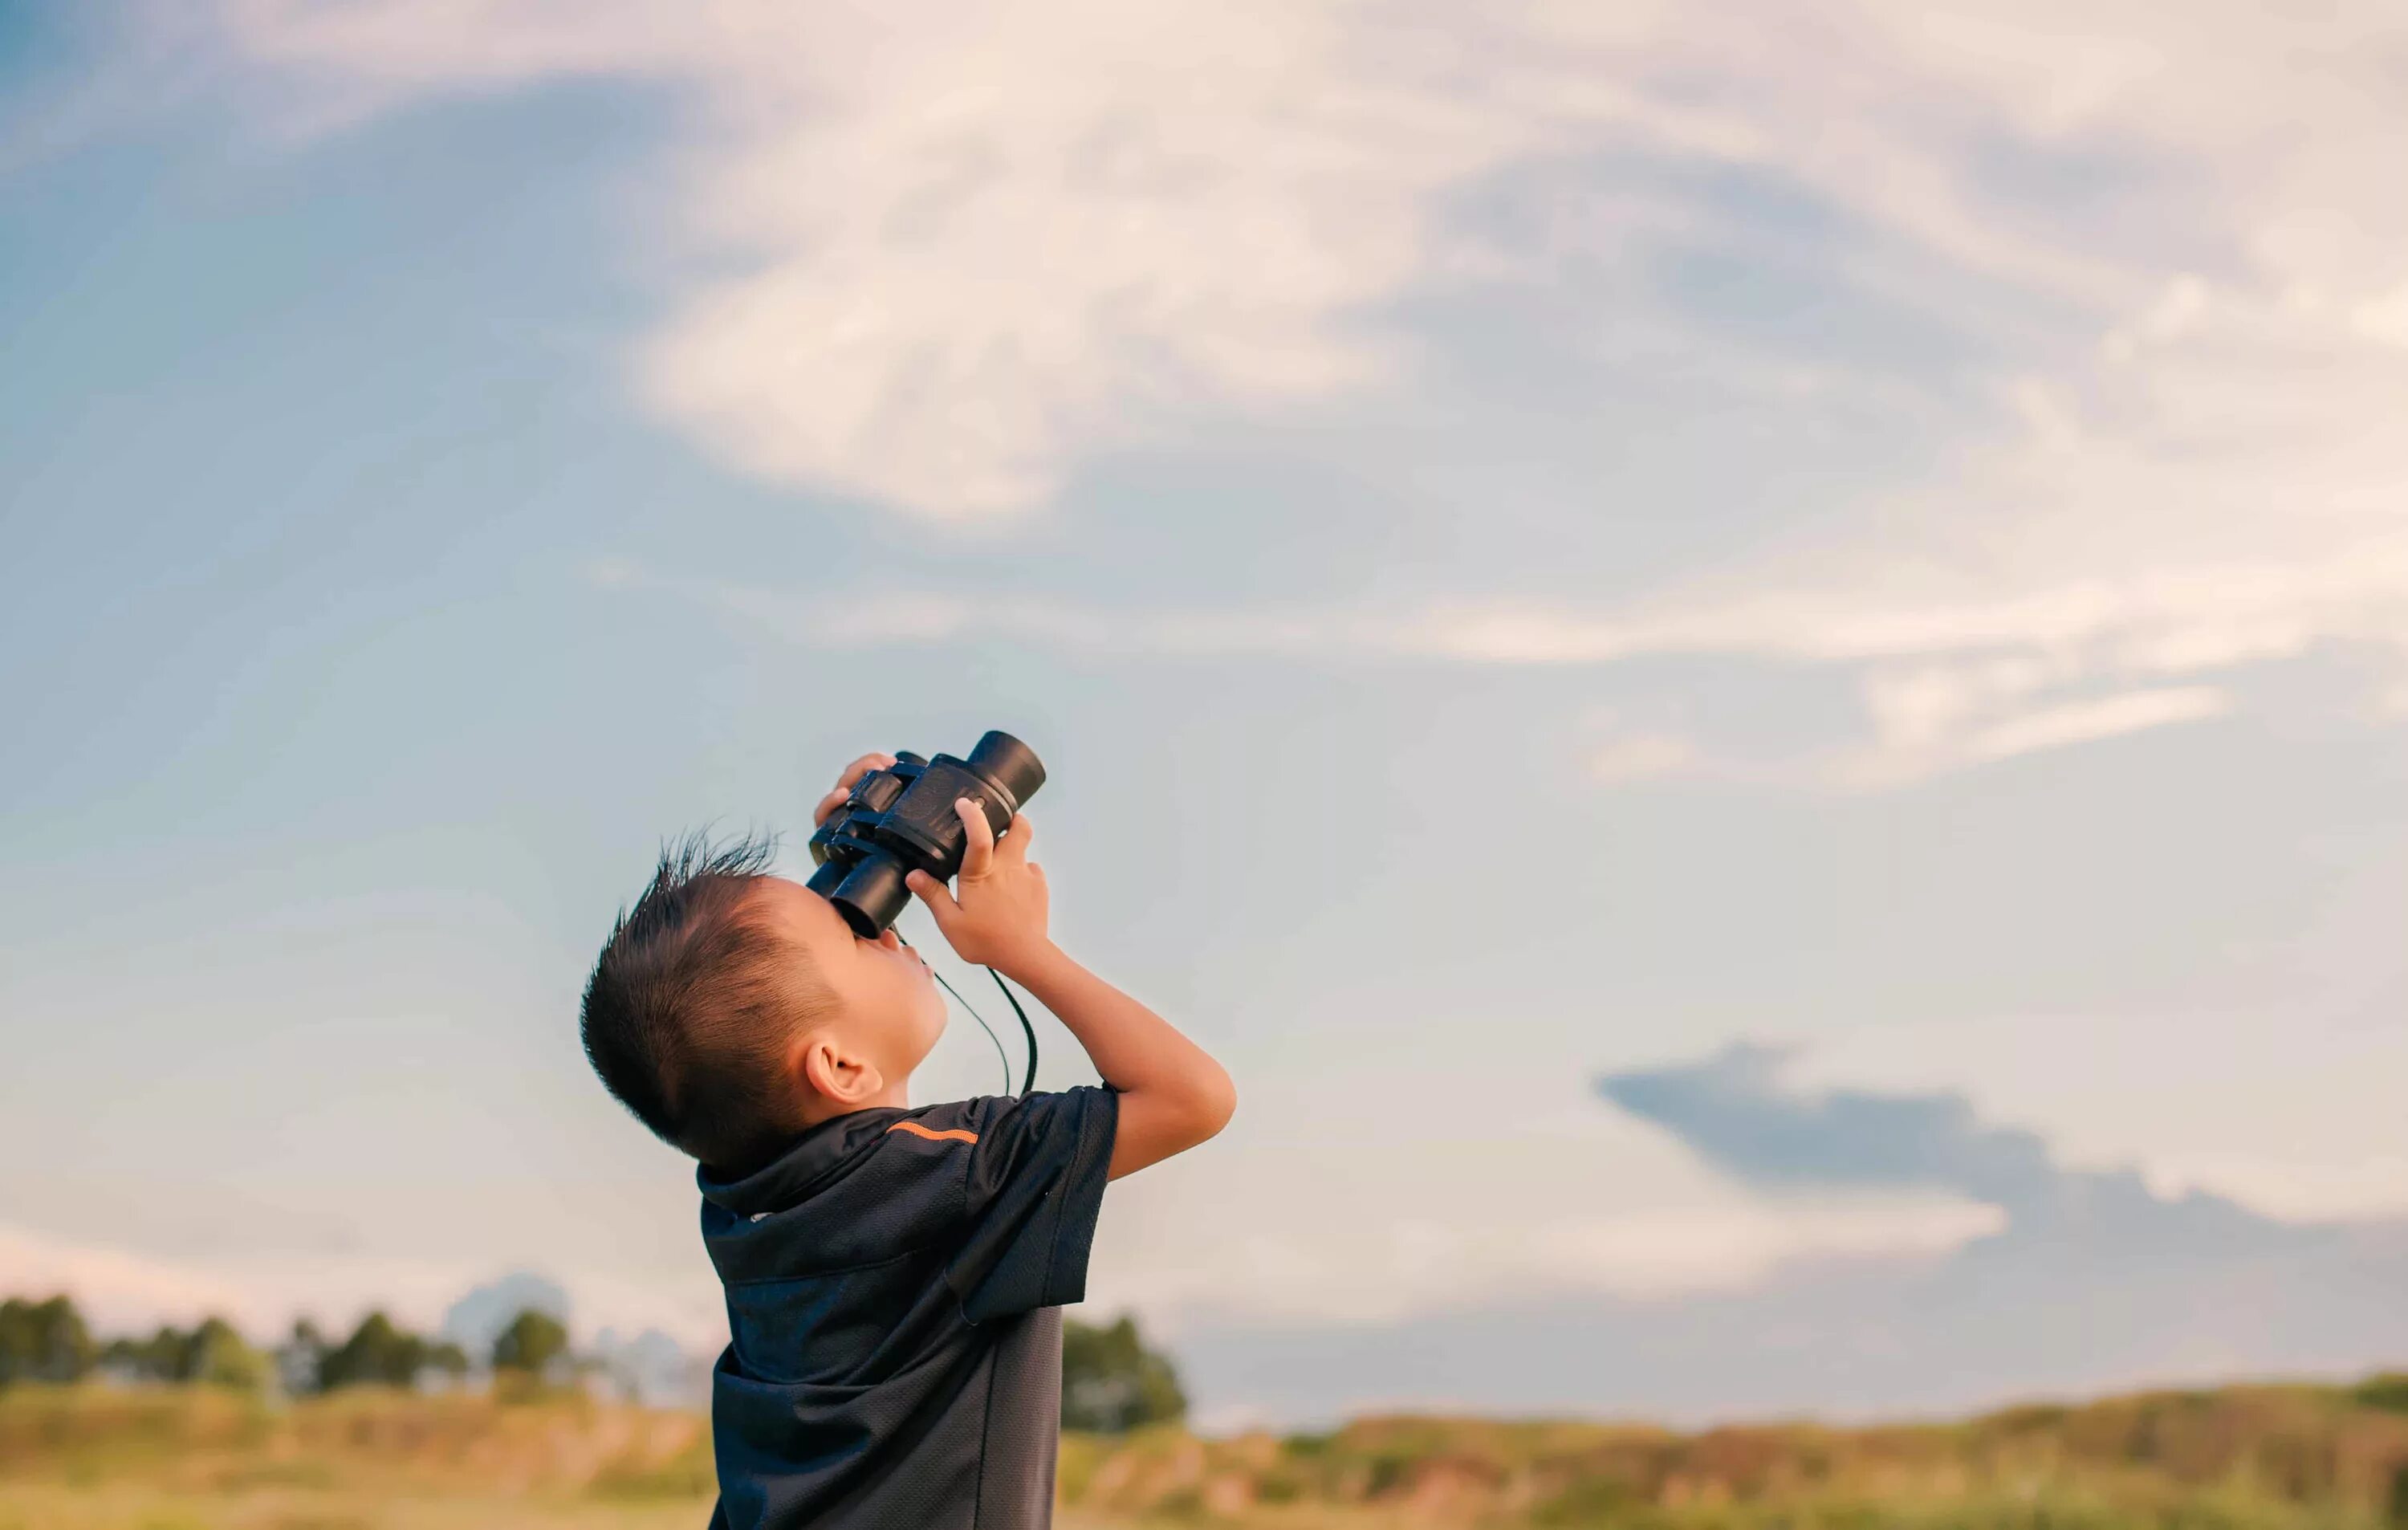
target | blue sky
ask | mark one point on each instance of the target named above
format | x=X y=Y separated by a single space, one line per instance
x=1536 y=549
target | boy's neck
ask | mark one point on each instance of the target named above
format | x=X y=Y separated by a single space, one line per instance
x=894 y=1096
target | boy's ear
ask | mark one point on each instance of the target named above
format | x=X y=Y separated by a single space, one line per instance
x=836 y=1073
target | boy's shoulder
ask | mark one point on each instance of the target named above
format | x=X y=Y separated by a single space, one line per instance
x=885 y=1173
x=997 y=1121
x=962 y=1122
x=1012 y=1152
x=1005 y=1187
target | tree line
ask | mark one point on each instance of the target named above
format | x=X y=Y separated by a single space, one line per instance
x=50 y=1342
x=1111 y=1381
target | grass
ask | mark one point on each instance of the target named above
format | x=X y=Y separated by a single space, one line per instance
x=2238 y=1458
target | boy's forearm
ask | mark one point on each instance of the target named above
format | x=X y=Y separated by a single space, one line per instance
x=1133 y=1047
x=1173 y=1093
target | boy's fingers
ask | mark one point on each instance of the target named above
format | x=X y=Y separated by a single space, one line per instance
x=846 y=781
x=978 y=849
x=1014 y=847
x=931 y=891
x=863 y=766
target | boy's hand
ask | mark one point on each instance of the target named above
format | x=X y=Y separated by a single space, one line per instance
x=1172 y=1095
x=845 y=784
x=995 y=914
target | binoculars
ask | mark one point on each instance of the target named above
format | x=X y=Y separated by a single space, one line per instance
x=901 y=819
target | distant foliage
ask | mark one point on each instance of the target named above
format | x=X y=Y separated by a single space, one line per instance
x=44 y=1341
x=536 y=1343
x=300 y=1359
x=1111 y=1384
x=211 y=1355
x=380 y=1353
x=48 y=1341
x=2229 y=1458
x=2388 y=1391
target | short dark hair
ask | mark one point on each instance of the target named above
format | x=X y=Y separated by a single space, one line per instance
x=692 y=1001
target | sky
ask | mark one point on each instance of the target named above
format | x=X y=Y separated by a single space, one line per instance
x=1750 y=666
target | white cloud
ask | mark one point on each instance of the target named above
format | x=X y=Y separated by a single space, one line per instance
x=940 y=262
x=2367 y=1188
x=1414 y=1267
x=947 y=257
x=1927 y=750
x=1945 y=687
x=2077 y=722
x=1572 y=1200
x=949 y=254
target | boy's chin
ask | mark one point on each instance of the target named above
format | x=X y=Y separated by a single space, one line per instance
x=936 y=1019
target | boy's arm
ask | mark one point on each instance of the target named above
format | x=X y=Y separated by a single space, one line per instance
x=1172 y=1094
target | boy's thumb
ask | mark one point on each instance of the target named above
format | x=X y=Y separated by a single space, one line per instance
x=932 y=893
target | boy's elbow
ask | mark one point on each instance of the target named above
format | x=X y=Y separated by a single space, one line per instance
x=1163 y=1121
x=1216 y=1102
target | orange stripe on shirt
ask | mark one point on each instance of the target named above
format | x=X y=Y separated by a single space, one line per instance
x=953 y=1135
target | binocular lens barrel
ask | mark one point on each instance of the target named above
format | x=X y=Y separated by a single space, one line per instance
x=1010 y=763
x=870 y=893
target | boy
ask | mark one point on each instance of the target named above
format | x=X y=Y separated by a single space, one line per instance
x=894 y=1276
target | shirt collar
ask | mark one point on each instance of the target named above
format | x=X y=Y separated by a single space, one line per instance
x=818 y=1155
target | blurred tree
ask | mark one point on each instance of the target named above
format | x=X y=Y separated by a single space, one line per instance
x=1112 y=1383
x=299 y=1358
x=156 y=1358
x=44 y=1341
x=535 y=1342
x=448 y=1358
x=2387 y=1390
x=377 y=1354
x=214 y=1355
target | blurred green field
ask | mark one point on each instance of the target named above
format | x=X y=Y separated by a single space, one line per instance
x=2239 y=1458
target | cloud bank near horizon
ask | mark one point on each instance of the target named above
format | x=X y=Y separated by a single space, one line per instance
x=2088 y=1281
x=1875 y=1230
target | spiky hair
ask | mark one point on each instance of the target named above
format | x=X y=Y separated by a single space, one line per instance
x=693 y=1000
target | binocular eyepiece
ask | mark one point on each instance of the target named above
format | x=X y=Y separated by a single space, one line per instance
x=901 y=819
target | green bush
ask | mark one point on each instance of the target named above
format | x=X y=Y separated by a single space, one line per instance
x=1111 y=1384
x=43 y=1341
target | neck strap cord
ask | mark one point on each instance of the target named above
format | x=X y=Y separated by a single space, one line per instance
x=1027 y=1027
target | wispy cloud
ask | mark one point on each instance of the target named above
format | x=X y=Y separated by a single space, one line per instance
x=1892 y=760
x=939 y=266
x=950 y=256
x=1357 y=1272
x=1943 y=688
x=947 y=259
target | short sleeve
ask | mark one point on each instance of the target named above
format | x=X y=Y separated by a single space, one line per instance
x=1035 y=1182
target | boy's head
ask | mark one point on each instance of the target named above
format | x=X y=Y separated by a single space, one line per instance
x=730 y=1009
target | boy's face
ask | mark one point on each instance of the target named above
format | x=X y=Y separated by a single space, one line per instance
x=886 y=1000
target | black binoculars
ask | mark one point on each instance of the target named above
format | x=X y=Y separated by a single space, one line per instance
x=901 y=819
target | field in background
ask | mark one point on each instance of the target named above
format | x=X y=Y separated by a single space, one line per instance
x=2238 y=1458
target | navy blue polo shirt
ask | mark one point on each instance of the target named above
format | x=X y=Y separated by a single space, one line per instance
x=894 y=1284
